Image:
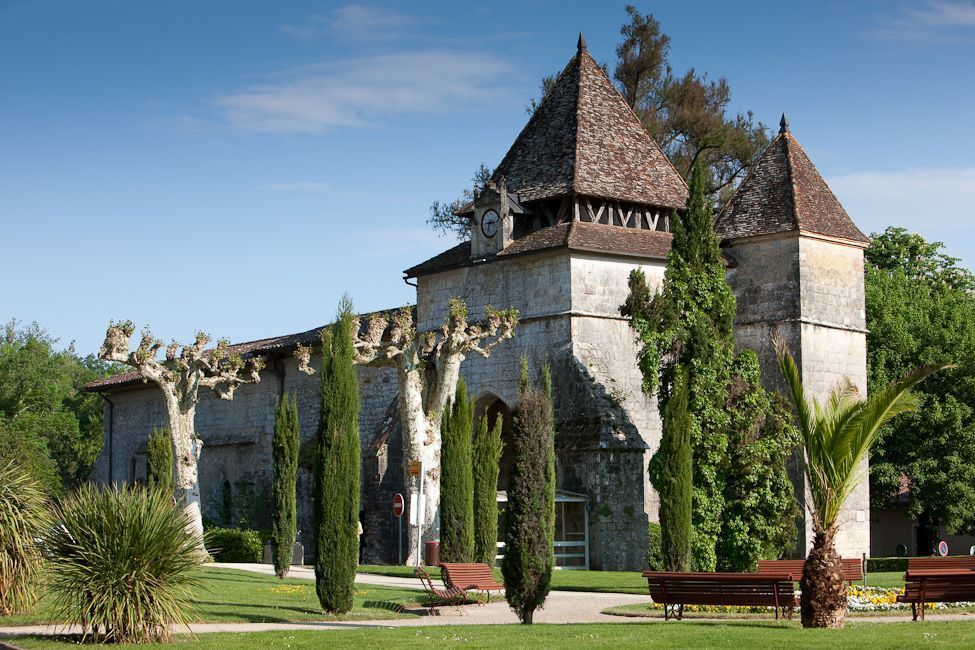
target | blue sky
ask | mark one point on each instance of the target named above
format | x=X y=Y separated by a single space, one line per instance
x=237 y=166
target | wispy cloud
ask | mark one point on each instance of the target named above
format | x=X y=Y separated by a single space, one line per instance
x=929 y=21
x=938 y=203
x=300 y=186
x=365 y=91
x=385 y=242
x=351 y=21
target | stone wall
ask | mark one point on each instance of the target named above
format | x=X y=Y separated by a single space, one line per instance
x=809 y=293
x=236 y=464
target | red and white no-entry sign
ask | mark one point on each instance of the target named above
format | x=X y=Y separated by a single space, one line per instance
x=398 y=506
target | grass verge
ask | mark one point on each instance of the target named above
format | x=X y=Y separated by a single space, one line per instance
x=684 y=634
x=232 y=596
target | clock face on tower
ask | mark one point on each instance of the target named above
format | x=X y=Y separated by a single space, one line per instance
x=489 y=223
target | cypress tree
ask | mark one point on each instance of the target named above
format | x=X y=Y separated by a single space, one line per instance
x=284 y=448
x=487 y=459
x=336 y=481
x=159 y=460
x=671 y=472
x=529 y=555
x=689 y=325
x=457 y=480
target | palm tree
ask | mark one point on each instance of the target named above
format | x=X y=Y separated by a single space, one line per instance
x=837 y=436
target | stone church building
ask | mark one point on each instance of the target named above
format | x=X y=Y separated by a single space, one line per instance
x=582 y=197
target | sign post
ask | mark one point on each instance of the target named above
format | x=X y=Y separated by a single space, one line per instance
x=398 y=507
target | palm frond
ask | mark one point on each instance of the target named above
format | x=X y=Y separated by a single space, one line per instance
x=838 y=434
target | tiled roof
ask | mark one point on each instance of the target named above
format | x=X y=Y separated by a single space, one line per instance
x=248 y=349
x=784 y=193
x=584 y=138
x=574 y=235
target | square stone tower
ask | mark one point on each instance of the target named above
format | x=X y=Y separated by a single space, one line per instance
x=797 y=272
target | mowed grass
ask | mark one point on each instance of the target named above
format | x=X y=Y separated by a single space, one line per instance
x=227 y=595
x=624 y=582
x=684 y=634
x=621 y=582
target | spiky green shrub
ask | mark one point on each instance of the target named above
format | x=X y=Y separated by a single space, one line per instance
x=284 y=487
x=670 y=473
x=457 y=480
x=23 y=517
x=336 y=480
x=121 y=563
x=159 y=461
x=529 y=552
x=487 y=459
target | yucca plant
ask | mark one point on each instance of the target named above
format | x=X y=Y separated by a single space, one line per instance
x=837 y=436
x=23 y=518
x=121 y=563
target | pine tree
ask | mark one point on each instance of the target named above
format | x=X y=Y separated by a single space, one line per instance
x=670 y=472
x=284 y=448
x=336 y=482
x=487 y=459
x=159 y=460
x=689 y=325
x=457 y=480
x=529 y=555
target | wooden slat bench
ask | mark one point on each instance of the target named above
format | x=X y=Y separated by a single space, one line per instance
x=960 y=562
x=675 y=590
x=937 y=586
x=852 y=568
x=439 y=597
x=471 y=577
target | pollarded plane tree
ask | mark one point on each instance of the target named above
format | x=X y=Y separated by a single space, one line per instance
x=428 y=369
x=180 y=374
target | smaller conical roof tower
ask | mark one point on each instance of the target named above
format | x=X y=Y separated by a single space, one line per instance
x=785 y=193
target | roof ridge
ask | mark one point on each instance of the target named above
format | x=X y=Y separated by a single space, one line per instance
x=791 y=176
x=575 y=145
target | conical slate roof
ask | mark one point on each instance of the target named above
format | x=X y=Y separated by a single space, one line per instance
x=784 y=193
x=584 y=138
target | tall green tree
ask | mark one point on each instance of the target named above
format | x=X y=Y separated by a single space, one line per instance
x=689 y=325
x=487 y=458
x=457 y=480
x=284 y=447
x=42 y=399
x=670 y=472
x=336 y=478
x=920 y=309
x=760 y=513
x=837 y=436
x=159 y=460
x=529 y=534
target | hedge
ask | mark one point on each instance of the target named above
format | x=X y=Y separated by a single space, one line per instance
x=235 y=545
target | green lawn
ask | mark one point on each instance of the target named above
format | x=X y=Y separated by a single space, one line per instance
x=627 y=582
x=683 y=634
x=227 y=595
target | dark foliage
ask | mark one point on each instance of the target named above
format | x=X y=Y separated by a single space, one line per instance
x=457 y=480
x=529 y=552
x=487 y=457
x=159 y=461
x=670 y=473
x=336 y=482
x=284 y=447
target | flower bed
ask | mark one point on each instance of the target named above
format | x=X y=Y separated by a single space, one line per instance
x=858 y=599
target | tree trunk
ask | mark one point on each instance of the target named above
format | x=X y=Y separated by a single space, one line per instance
x=823 y=600
x=927 y=534
x=421 y=442
x=186 y=455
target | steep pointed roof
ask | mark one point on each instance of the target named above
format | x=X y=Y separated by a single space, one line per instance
x=784 y=193
x=584 y=138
